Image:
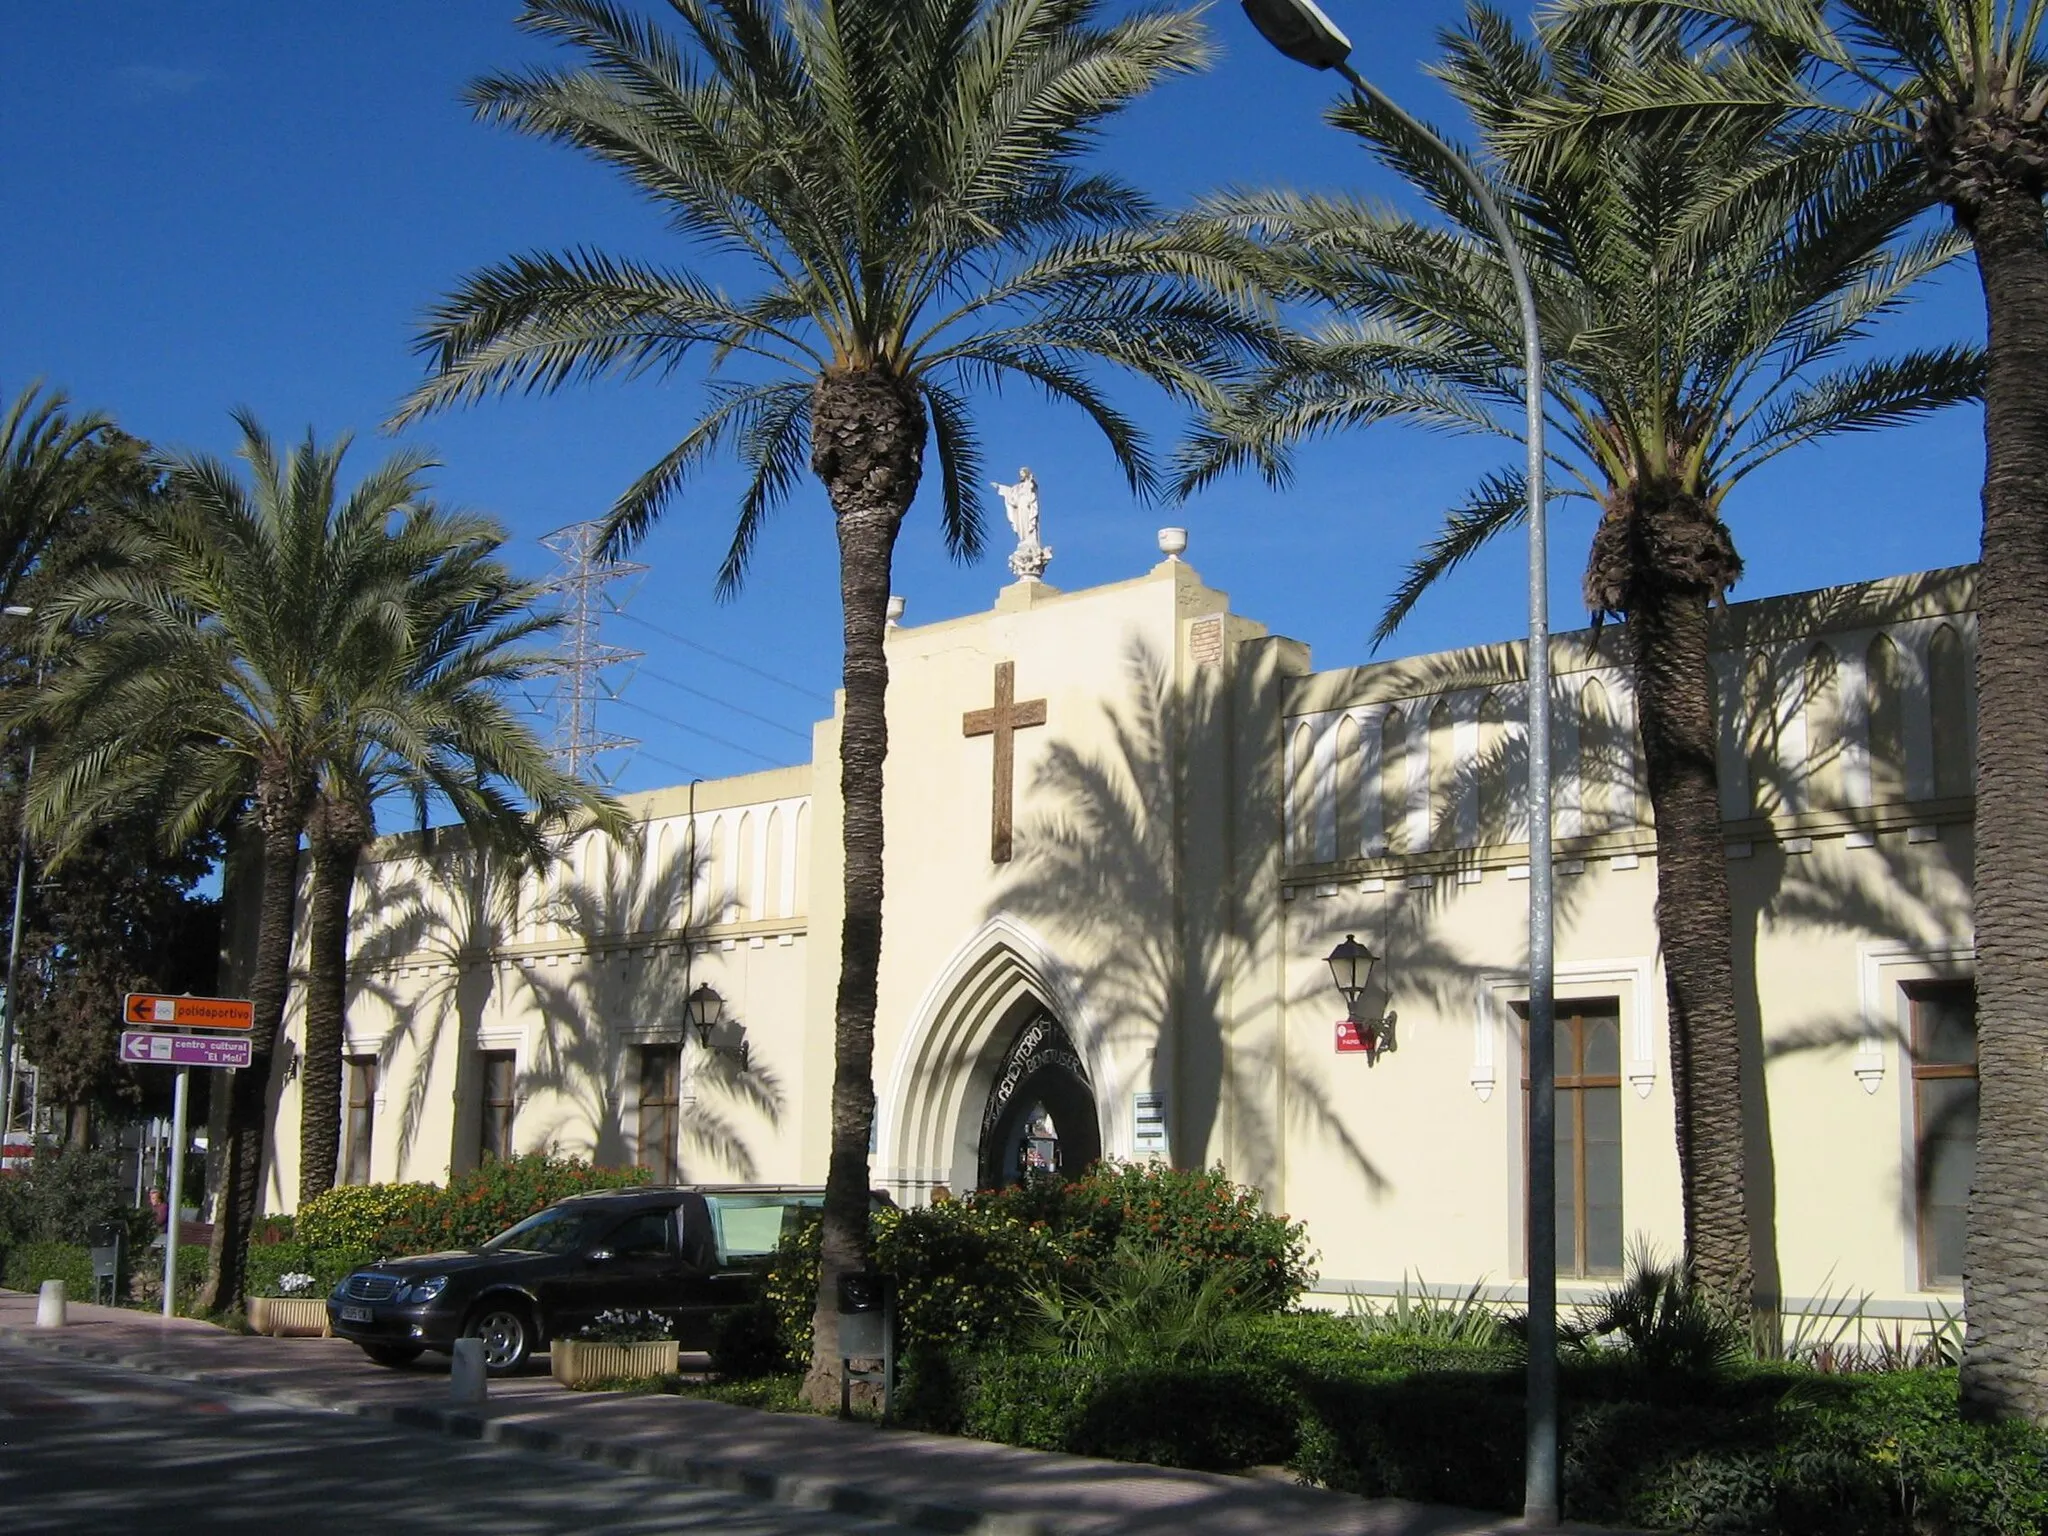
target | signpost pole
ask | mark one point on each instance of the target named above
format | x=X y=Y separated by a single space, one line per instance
x=177 y=1191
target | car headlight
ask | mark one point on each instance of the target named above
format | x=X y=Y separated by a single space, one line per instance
x=340 y=1291
x=425 y=1290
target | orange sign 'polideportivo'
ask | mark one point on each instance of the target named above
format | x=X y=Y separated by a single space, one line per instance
x=190 y=1012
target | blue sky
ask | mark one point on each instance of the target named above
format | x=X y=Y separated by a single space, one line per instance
x=216 y=204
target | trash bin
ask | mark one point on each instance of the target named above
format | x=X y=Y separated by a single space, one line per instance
x=867 y=1331
x=105 y=1240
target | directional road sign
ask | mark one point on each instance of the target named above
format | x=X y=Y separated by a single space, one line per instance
x=145 y=1047
x=149 y=1008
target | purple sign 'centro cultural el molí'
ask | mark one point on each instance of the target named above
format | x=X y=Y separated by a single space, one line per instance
x=146 y=1047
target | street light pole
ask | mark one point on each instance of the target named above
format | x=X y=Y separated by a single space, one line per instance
x=7 y=1007
x=1300 y=30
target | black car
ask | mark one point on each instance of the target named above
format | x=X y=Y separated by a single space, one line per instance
x=687 y=1253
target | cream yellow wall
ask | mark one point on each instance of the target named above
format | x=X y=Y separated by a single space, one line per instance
x=1090 y=915
x=571 y=975
x=1192 y=836
x=1840 y=893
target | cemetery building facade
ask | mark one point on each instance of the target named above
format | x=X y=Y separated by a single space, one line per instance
x=1126 y=826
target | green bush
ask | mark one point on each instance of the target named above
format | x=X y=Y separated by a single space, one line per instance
x=268 y=1262
x=146 y=1283
x=1180 y=1414
x=30 y=1264
x=1199 y=1214
x=426 y=1218
x=63 y=1194
x=361 y=1215
x=963 y=1269
x=1766 y=1450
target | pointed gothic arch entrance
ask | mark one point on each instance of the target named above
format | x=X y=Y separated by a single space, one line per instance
x=1040 y=1115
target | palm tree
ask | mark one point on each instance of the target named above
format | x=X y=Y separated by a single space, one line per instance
x=897 y=182
x=196 y=666
x=48 y=469
x=1681 y=356
x=1953 y=93
x=418 y=711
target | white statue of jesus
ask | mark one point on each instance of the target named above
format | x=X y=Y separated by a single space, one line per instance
x=1020 y=506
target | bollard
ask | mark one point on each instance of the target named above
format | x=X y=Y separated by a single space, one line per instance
x=468 y=1382
x=50 y=1305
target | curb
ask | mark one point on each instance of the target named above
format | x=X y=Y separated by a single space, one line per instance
x=793 y=1489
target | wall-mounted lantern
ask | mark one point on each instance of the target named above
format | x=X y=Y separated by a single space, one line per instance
x=706 y=1010
x=1351 y=967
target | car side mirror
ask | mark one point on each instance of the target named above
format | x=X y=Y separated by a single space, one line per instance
x=600 y=1256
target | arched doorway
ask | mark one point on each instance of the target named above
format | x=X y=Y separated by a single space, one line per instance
x=1040 y=1115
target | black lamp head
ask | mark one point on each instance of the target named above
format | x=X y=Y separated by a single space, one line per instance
x=1299 y=29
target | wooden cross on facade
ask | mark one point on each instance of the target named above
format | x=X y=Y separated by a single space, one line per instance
x=1002 y=722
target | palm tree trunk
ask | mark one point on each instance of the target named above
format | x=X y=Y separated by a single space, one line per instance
x=1675 y=705
x=337 y=834
x=281 y=816
x=2005 y=1255
x=867 y=446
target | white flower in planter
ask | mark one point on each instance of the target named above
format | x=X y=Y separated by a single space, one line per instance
x=294 y=1284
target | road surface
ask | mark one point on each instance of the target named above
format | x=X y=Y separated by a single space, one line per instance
x=88 y=1448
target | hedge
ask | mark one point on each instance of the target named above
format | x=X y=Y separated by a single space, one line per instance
x=1766 y=1450
x=30 y=1264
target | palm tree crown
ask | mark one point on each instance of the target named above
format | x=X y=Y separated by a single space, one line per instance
x=1691 y=333
x=899 y=178
x=240 y=648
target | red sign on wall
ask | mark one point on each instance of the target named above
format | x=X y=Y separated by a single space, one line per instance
x=1348 y=1036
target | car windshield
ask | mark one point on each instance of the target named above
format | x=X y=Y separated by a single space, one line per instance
x=559 y=1229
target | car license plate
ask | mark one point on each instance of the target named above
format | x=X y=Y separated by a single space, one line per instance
x=355 y=1314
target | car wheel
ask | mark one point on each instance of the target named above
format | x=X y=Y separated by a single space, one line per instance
x=393 y=1354
x=507 y=1334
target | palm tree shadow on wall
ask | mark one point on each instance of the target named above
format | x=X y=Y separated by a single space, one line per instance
x=1896 y=895
x=638 y=992
x=1095 y=868
x=595 y=1003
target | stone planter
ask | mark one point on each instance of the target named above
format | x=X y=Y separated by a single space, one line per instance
x=579 y=1363
x=289 y=1317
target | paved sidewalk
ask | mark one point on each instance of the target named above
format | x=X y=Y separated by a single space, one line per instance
x=932 y=1481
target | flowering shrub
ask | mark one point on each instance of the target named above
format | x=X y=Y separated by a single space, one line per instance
x=623 y=1325
x=296 y=1284
x=425 y=1218
x=358 y=1216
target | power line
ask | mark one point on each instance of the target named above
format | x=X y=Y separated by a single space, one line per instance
x=696 y=731
x=731 y=661
x=723 y=703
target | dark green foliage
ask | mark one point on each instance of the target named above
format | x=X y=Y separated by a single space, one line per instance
x=30 y=1264
x=1767 y=1450
x=750 y=1343
x=1664 y=1322
x=965 y=1268
x=1198 y=1213
x=1182 y=1414
x=64 y=1193
x=268 y=1262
